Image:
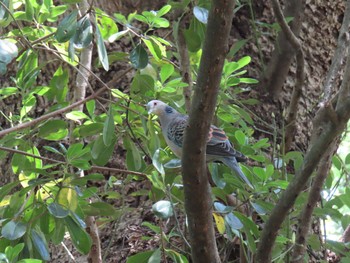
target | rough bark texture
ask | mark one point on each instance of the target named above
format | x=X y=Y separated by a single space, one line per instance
x=329 y=123
x=283 y=54
x=198 y=203
x=314 y=197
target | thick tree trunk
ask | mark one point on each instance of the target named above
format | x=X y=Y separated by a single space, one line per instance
x=198 y=203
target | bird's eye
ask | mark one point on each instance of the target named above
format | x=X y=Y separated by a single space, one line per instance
x=155 y=103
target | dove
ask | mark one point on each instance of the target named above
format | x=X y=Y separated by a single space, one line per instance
x=218 y=149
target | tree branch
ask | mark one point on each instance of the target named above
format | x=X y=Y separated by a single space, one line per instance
x=278 y=67
x=339 y=54
x=297 y=91
x=198 y=203
x=324 y=133
x=184 y=62
x=65 y=109
x=314 y=197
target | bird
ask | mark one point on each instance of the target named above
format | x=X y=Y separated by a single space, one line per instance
x=218 y=149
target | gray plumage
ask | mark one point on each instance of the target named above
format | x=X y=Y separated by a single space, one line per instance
x=219 y=148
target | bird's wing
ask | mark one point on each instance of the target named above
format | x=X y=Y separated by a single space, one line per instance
x=175 y=130
x=219 y=145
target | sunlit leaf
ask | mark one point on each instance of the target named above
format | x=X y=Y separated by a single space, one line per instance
x=13 y=230
x=201 y=14
x=163 y=209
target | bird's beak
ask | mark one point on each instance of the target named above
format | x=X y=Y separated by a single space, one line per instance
x=148 y=107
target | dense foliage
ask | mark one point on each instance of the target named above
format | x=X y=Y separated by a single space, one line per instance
x=48 y=196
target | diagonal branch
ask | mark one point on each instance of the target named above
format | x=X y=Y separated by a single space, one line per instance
x=325 y=131
x=65 y=109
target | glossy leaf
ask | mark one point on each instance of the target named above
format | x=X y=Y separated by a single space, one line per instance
x=139 y=57
x=57 y=210
x=100 y=153
x=156 y=161
x=67 y=27
x=201 y=14
x=163 y=209
x=101 y=49
x=79 y=237
x=13 y=230
x=39 y=241
x=233 y=221
x=83 y=36
x=53 y=130
x=141 y=257
x=8 y=51
x=166 y=71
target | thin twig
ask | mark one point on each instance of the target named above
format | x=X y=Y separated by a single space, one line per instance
x=132 y=132
x=65 y=109
x=93 y=167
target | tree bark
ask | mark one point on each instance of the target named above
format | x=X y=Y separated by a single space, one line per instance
x=198 y=203
x=329 y=122
x=283 y=54
x=314 y=197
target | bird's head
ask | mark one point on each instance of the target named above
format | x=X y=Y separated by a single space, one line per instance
x=159 y=108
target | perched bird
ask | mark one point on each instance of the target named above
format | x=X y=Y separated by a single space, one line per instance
x=219 y=148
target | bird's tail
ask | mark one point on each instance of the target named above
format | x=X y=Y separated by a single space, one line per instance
x=233 y=164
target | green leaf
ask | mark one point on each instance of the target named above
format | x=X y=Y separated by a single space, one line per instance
x=240 y=136
x=104 y=209
x=236 y=47
x=166 y=71
x=5 y=17
x=100 y=153
x=8 y=51
x=163 y=209
x=142 y=83
x=139 y=57
x=173 y=163
x=108 y=128
x=157 y=162
x=233 y=221
x=156 y=257
x=177 y=257
x=164 y=10
x=59 y=231
x=57 y=210
x=201 y=14
x=67 y=27
x=193 y=40
x=116 y=36
x=40 y=243
x=76 y=115
x=30 y=260
x=140 y=257
x=53 y=130
x=153 y=48
x=248 y=80
x=79 y=237
x=29 y=10
x=83 y=35
x=77 y=151
x=259 y=209
x=243 y=62
x=107 y=26
x=13 y=230
x=90 y=129
x=101 y=49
